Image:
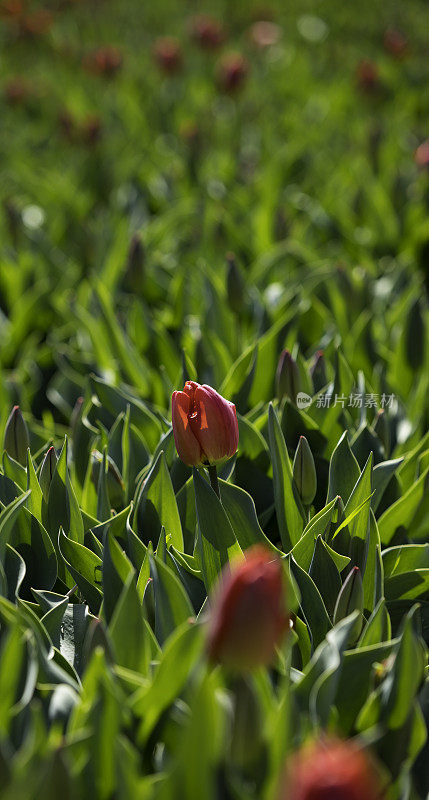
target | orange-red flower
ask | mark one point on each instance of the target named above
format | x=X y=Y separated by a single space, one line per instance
x=232 y=71
x=249 y=616
x=207 y=31
x=105 y=61
x=265 y=34
x=367 y=76
x=168 y=54
x=421 y=156
x=205 y=425
x=331 y=769
x=395 y=43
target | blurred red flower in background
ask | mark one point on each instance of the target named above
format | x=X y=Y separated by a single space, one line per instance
x=395 y=43
x=232 y=72
x=265 y=34
x=367 y=76
x=421 y=156
x=168 y=54
x=206 y=31
x=105 y=61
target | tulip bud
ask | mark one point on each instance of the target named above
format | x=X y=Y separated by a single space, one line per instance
x=415 y=336
x=381 y=428
x=206 y=31
x=421 y=156
x=350 y=598
x=135 y=263
x=235 y=286
x=47 y=470
x=367 y=76
x=16 y=438
x=318 y=371
x=288 y=379
x=330 y=769
x=168 y=54
x=304 y=472
x=232 y=72
x=248 y=615
x=205 y=425
x=395 y=43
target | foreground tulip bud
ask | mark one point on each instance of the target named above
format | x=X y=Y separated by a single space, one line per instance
x=205 y=425
x=304 y=472
x=288 y=380
x=331 y=770
x=47 y=470
x=16 y=438
x=395 y=43
x=248 y=616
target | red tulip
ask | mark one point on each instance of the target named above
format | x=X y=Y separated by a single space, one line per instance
x=331 y=770
x=168 y=54
x=105 y=61
x=232 y=71
x=421 y=156
x=265 y=34
x=207 y=31
x=395 y=43
x=205 y=425
x=249 y=617
x=367 y=76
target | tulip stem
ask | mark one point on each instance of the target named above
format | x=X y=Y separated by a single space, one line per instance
x=214 y=483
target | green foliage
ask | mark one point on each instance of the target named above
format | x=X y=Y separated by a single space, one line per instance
x=117 y=284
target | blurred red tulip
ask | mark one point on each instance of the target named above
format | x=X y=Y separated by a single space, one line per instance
x=205 y=425
x=421 y=156
x=168 y=54
x=67 y=124
x=249 y=615
x=232 y=71
x=11 y=9
x=207 y=31
x=37 y=23
x=16 y=91
x=367 y=76
x=265 y=34
x=105 y=61
x=331 y=769
x=92 y=129
x=395 y=43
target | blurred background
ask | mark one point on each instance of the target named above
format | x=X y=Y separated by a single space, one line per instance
x=142 y=142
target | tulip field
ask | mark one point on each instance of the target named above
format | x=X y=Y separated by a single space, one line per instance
x=214 y=414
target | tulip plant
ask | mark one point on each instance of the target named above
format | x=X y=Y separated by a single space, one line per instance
x=214 y=381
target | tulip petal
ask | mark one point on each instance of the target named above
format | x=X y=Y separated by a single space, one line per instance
x=215 y=424
x=187 y=445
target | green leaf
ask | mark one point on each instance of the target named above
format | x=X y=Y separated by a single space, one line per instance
x=344 y=471
x=7 y=520
x=241 y=512
x=127 y=630
x=172 y=604
x=401 y=513
x=85 y=567
x=312 y=605
x=290 y=514
x=216 y=542
x=156 y=506
x=178 y=658
x=116 y=569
